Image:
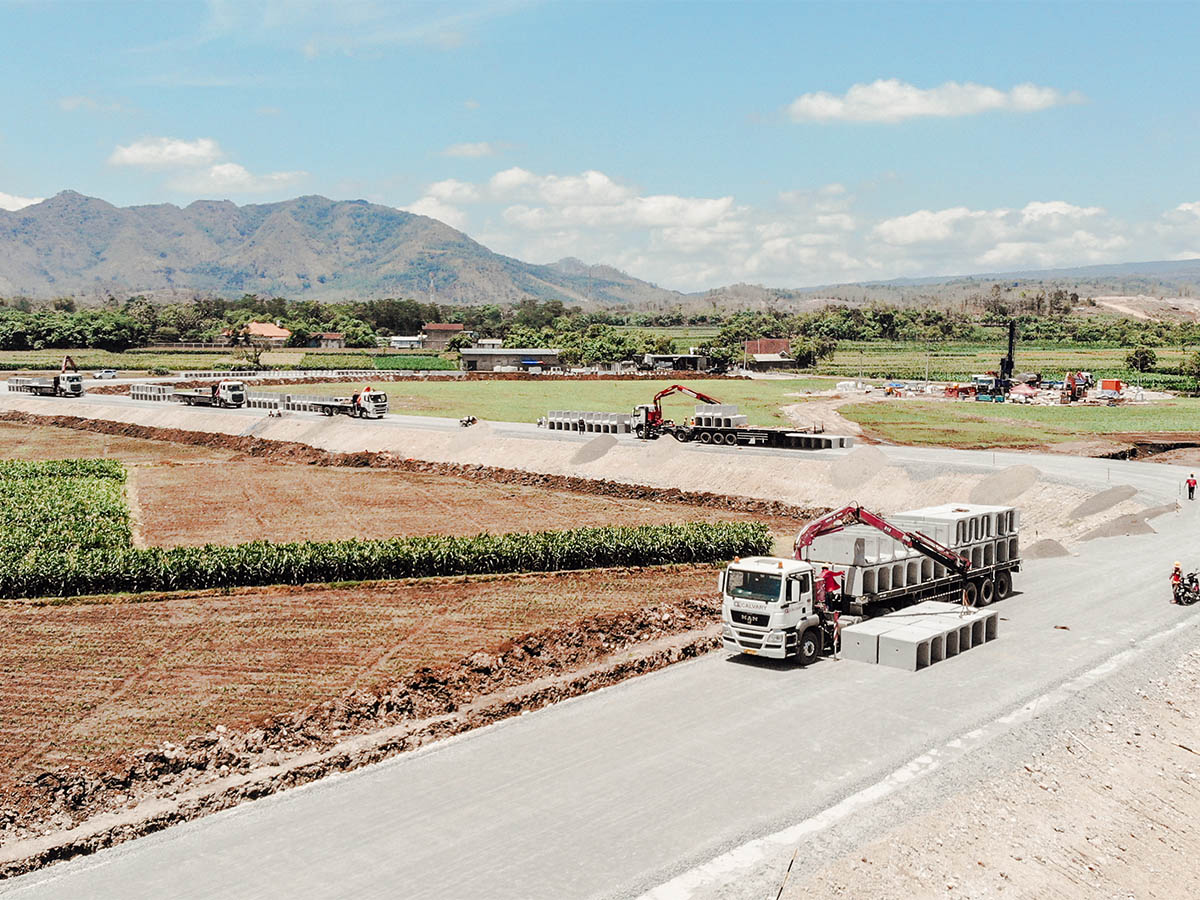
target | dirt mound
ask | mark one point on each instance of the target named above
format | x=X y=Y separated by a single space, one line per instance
x=593 y=449
x=1001 y=488
x=1044 y=549
x=1121 y=526
x=857 y=467
x=294 y=452
x=212 y=771
x=1102 y=501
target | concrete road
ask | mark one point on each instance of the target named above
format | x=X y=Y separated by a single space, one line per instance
x=620 y=791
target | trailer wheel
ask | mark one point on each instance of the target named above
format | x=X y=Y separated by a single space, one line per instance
x=706 y=437
x=810 y=646
x=972 y=591
x=987 y=591
x=1003 y=585
x=731 y=439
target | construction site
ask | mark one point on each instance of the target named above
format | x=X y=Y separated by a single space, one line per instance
x=972 y=607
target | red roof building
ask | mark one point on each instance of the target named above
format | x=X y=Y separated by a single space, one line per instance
x=768 y=345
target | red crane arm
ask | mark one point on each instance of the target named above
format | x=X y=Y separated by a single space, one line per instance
x=682 y=389
x=835 y=521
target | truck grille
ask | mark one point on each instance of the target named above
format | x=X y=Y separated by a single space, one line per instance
x=744 y=618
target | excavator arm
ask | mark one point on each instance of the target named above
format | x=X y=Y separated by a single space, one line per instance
x=835 y=521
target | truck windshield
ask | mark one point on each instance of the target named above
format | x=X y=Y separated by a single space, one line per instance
x=235 y=386
x=753 y=585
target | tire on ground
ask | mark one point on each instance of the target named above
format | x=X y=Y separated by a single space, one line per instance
x=809 y=646
x=987 y=591
x=972 y=590
x=1003 y=585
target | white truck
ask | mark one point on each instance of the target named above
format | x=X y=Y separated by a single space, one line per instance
x=225 y=394
x=793 y=608
x=364 y=404
x=65 y=384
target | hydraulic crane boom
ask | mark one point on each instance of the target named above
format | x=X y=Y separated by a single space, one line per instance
x=833 y=522
x=654 y=414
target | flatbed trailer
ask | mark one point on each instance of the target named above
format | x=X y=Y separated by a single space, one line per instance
x=366 y=404
x=222 y=395
x=67 y=384
x=753 y=436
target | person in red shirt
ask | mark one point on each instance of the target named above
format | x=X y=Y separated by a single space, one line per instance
x=826 y=584
x=1176 y=582
x=1191 y=486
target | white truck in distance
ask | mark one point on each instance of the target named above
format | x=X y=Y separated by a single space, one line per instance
x=779 y=608
x=224 y=394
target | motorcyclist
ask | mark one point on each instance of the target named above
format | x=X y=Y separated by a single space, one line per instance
x=1176 y=582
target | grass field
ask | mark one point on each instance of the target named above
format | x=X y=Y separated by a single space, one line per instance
x=525 y=401
x=966 y=424
x=957 y=362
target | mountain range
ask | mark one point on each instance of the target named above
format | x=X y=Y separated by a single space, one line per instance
x=315 y=248
x=309 y=247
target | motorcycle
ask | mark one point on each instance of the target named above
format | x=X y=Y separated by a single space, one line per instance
x=1187 y=589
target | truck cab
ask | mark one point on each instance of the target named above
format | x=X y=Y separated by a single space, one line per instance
x=68 y=384
x=230 y=393
x=767 y=608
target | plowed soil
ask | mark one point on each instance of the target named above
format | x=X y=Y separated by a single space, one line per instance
x=80 y=683
x=184 y=494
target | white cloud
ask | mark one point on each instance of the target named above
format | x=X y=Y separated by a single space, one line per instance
x=892 y=100
x=807 y=236
x=1037 y=212
x=437 y=208
x=12 y=202
x=453 y=190
x=470 y=151
x=925 y=225
x=165 y=153
x=234 y=179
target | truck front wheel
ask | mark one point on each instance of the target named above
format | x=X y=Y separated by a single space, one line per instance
x=810 y=646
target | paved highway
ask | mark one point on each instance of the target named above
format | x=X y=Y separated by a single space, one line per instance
x=617 y=792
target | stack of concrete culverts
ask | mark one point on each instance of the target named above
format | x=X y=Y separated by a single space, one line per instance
x=719 y=415
x=159 y=393
x=589 y=422
x=919 y=636
x=876 y=564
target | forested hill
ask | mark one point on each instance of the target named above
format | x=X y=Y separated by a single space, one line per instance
x=310 y=247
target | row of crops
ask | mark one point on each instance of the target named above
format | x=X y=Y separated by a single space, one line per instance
x=61 y=506
x=60 y=573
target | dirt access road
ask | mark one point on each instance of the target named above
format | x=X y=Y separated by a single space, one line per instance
x=704 y=779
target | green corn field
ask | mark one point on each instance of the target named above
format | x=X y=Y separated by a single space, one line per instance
x=66 y=531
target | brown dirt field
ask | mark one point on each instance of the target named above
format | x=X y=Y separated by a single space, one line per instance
x=82 y=682
x=184 y=494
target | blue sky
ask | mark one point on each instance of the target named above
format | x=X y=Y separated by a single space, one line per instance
x=692 y=144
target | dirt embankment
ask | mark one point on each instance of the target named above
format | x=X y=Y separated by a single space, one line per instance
x=75 y=811
x=295 y=452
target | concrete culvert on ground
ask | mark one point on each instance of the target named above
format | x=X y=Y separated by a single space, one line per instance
x=1001 y=488
x=1102 y=501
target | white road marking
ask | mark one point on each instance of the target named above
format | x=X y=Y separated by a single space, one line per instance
x=753 y=853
